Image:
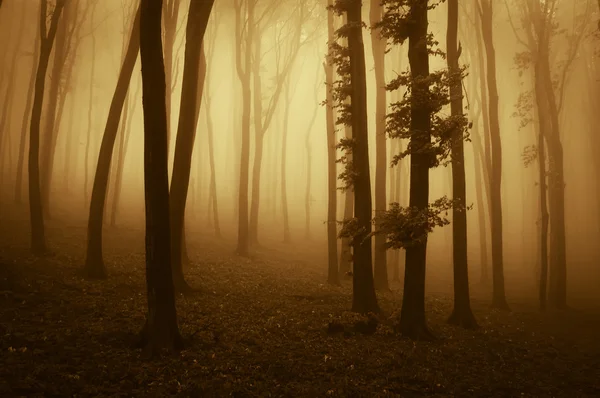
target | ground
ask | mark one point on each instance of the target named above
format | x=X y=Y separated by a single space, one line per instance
x=259 y=327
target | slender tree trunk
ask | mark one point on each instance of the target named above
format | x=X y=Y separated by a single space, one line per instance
x=5 y=118
x=461 y=314
x=284 y=132
x=211 y=151
x=69 y=146
x=243 y=65
x=160 y=330
x=51 y=114
x=499 y=295
x=332 y=273
x=25 y=121
x=363 y=298
x=481 y=216
x=378 y=47
x=308 y=149
x=38 y=238
x=121 y=163
x=94 y=263
x=412 y=317
x=543 y=127
x=88 y=141
x=194 y=73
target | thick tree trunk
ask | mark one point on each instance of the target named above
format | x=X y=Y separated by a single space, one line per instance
x=125 y=120
x=161 y=330
x=38 y=238
x=364 y=299
x=412 y=316
x=499 y=295
x=332 y=268
x=378 y=46
x=194 y=73
x=345 y=265
x=94 y=263
x=461 y=314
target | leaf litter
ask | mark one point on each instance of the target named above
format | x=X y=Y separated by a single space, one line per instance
x=268 y=326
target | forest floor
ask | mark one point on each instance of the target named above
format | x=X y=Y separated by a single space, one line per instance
x=259 y=327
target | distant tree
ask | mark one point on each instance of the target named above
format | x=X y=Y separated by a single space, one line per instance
x=6 y=109
x=209 y=47
x=160 y=330
x=94 y=262
x=244 y=36
x=25 y=120
x=47 y=36
x=352 y=70
x=462 y=314
x=332 y=273
x=194 y=72
x=485 y=8
x=378 y=45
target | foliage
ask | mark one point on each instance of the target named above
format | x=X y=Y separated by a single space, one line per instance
x=436 y=98
x=407 y=226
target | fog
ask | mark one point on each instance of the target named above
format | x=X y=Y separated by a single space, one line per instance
x=248 y=98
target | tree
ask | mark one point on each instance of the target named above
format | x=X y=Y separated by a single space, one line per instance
x=47 y=36
x=94 y=262
x=378 y=47
x=332 y=273
x=417 y=117
x=461 y=314
x=161 y=329
x=352 y=70
x=485 y=9
x=194 y=72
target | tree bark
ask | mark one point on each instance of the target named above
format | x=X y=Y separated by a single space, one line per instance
x=25 y=121
x=499 y=295
x=378 y=47
x=38 y=238
x=412 y=316
x=461 y=314
x=332 y=268
x=364 y=299
x=94 y=263
x=243 y=65
x=161 y=330
x=194 y=73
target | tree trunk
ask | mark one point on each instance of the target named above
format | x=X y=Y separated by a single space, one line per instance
x=332 y=269
x=194 y=73
x=211 y=154
x=243 y=65
x=461 y=314
x=25 y=121
x=284 y=132
x=378 y=46
x=161 y=330
x=499 y=295
x=51 y=114
x=88 y=141
x=412 y=317
x=94 y=262
x=38 y=238
x=363 y=289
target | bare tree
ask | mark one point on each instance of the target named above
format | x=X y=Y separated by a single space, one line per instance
x=47 y=36
x=194 y=73
x=161 y=329
x=94 y=262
